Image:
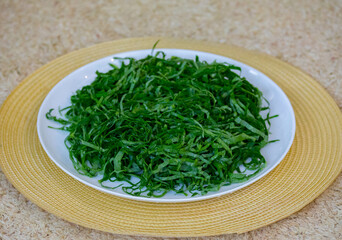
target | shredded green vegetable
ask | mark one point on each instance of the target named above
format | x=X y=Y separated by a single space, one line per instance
x=175 y=124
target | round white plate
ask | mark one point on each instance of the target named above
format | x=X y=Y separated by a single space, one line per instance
x=282 y=127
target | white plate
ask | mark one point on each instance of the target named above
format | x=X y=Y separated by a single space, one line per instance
x=282 y=127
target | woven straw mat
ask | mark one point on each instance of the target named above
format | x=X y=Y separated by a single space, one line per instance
x=311 y=165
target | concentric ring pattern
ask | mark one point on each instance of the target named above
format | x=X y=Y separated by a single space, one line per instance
x=314 y=161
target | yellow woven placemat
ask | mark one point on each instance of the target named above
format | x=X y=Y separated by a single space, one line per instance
x=314 y=161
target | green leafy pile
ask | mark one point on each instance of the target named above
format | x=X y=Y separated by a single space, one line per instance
x=175 y=124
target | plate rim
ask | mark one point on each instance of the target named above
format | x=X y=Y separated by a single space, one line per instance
x=167 y=200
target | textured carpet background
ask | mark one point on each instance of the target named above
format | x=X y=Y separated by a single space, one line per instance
x=307 y=34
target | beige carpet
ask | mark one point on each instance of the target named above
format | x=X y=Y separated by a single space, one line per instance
x=307 y=34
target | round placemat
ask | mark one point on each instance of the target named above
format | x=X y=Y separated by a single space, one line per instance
x=312 y=164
